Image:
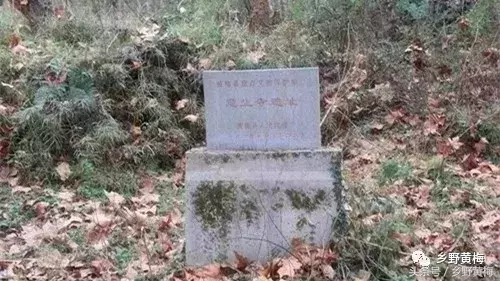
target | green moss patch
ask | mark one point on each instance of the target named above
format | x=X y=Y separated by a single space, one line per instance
x=215 y=204
x=300 y=200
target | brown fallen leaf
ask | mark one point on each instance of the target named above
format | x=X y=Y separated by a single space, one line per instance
x=100 y=217
x=181 y=104
x=66 y=195
x=210 y=271
x=40 y=209
x=372 y=219
x=33 y=235
x=383 y=92
x=205 y=64
x=328 y=271
x=136 y=132
x=171 y=220
x=52 y=259
x=14 y=40
x=191 y=69
x=115 y=199
x=288 y=267
x=63 y=171
x=13 y=181
x=271 y=270
x=99 y=266
x=377 y=126
x=230 y=65
x=422 y=233
x=463 y=24
x=404 y=238
x=146 y=199
x=362 y=275
x=435 y=103
x=241 y=262
x=191 y=118
x=20 y=49
x=255 y=56
x=455 y=143
x=469 y=162
x=20 y=189
x=395 y=116
x=481 y=145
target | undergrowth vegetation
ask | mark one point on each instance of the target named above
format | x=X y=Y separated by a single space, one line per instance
x=103 y=104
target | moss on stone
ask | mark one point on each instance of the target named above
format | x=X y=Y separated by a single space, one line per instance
x=301 y=201
x=215 y=204
x=340 y=223
x=244 y=188
x=249 y=210
x=279 y=155
x=301 y=223
x=225 y=158
x=275 y=190
x=277 y=206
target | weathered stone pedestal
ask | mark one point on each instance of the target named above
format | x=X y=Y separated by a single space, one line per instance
x=256 y=202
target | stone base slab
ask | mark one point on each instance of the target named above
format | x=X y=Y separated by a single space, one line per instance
x=255 y=202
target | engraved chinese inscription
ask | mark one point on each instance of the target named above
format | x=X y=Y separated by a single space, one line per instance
x=262 y=109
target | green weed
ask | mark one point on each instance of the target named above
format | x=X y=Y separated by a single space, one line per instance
x=16 y=215
x=484 y=16
x=95 y=181
x=78 y=236
x=393 y=170
x=50 y=200
x=168 y=197
x=123 y=256
x=73 y=32
x=490 y=131
x=92 y=192
x=381 y=250
x=123 y=247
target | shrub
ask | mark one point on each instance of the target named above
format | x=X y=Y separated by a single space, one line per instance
x=60 y=115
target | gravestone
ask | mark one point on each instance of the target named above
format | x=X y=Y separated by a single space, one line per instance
x=263 y=178
x=262 y=109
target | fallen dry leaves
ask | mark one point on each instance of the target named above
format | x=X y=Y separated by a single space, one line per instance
x=191 y=118
x=303 y=260
x=181 y=104
x=256 y=56
x=63 y=170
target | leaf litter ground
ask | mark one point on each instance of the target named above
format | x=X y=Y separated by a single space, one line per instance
x=443 y=207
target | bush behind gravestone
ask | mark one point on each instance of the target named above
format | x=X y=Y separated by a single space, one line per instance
x=108 y=111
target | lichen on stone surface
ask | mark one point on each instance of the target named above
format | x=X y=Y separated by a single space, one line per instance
x=300 y=200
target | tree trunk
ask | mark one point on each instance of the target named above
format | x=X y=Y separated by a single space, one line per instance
x=260 y=17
